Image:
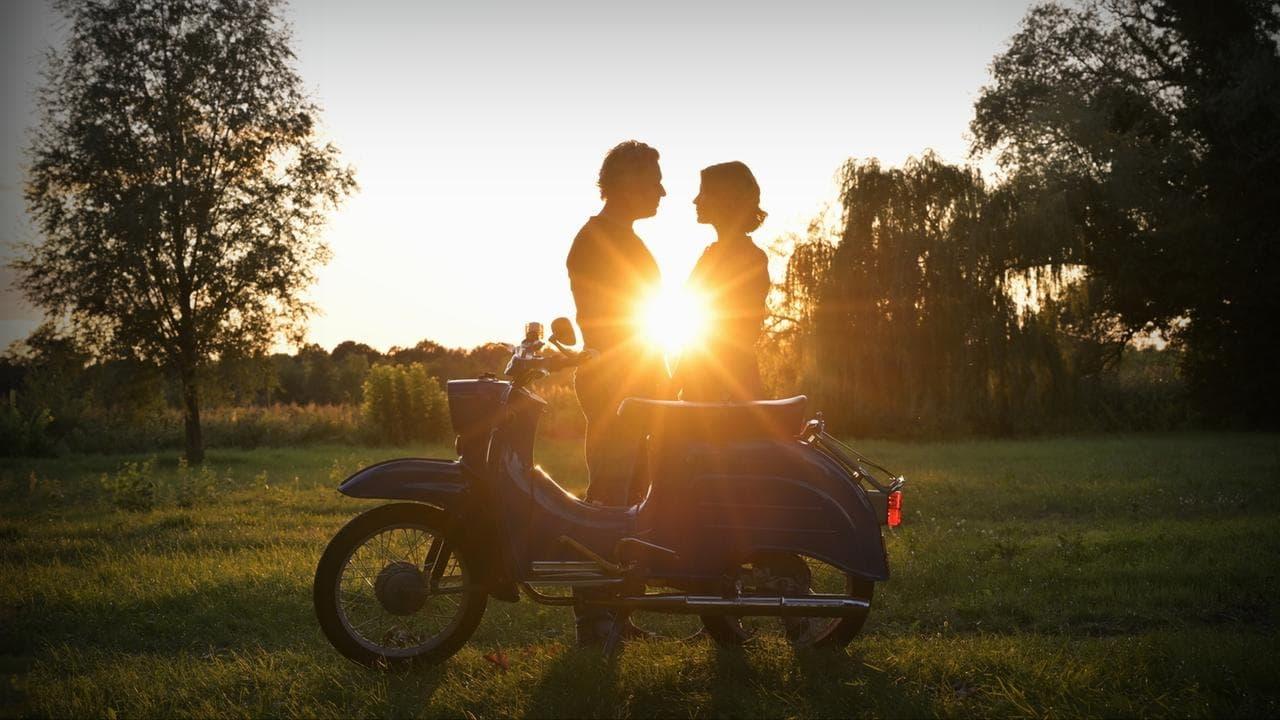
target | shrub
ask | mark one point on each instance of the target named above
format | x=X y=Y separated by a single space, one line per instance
x=193 y=487
x=403 y=403
x=133 y=486
x=24 y=433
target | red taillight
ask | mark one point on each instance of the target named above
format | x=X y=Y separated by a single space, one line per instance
x=893 y=515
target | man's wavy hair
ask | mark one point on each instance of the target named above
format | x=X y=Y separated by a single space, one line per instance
x=624 y=159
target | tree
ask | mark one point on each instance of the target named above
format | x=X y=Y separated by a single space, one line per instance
x=1154 y=128
x=55 y=377
x=351 y=370
x=179 y=185
x=906 y=320
x=347 y=348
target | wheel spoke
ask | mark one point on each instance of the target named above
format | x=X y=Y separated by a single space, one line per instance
x=374 y=593
x=786 y=574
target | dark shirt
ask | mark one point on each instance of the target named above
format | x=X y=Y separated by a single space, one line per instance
x=733 y=277
x=610 y=273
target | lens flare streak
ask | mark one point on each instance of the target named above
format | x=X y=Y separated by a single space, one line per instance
x=674 y=319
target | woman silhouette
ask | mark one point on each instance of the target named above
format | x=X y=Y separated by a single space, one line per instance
x=733 y=277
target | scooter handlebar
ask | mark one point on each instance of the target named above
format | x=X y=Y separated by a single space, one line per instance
x=525 y=370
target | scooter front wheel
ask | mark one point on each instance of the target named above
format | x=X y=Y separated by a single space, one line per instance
x=787 y=574
x=394 y=586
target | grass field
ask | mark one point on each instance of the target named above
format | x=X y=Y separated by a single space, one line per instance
x=1125 y=575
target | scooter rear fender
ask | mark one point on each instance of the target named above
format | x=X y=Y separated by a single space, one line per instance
x=435 y=482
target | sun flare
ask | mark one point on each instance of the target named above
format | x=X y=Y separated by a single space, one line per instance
x=674 y=318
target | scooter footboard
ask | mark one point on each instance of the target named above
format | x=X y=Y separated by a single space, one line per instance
x=778 y=606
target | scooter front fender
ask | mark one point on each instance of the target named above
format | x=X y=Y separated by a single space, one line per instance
x=435 y=482
x=443 y=484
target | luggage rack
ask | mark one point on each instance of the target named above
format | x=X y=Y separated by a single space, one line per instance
x=885 y=494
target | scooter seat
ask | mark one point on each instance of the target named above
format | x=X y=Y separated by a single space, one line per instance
x=717 y=421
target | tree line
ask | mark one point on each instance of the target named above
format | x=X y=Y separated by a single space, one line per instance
x=56 y=395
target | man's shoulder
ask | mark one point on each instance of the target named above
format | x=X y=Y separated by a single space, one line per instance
x=584 y=243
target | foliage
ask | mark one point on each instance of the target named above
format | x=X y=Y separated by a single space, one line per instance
x=23 y=433
x=1148 y=132
x=58 y=399
x=177 y=183
x=905 y=322
x=402 y=403
x=132 y=487
x=193 y=486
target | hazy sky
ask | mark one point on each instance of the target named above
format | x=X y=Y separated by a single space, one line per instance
x=477 y=128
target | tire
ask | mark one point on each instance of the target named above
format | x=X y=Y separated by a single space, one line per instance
x=729 y=631
x=388 y=588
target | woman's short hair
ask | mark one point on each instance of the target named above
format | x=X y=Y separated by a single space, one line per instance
x=622 y=161
x=734 y=179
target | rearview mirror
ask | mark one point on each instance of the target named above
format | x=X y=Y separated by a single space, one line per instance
x=562 y=332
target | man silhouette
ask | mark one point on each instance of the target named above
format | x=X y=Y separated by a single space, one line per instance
x=611 y=273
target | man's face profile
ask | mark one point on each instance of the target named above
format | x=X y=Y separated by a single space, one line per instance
x=645 y=191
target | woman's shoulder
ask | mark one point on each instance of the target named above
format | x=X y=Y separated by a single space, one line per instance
x=750 y=254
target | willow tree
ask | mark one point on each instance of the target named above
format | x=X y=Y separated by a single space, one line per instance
x=908 y=318
x=179 y=184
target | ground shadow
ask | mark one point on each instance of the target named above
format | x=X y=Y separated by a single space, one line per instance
x=267 y=614
x=579 y=682
x=816 y=683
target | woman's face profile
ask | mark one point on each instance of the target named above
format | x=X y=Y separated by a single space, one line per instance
x=710 y=204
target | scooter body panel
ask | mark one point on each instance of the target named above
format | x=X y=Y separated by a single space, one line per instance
x=718 y=505
x=558 y=514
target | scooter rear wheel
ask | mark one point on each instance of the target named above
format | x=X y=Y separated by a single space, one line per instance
x=394 y=587
x=792 y=574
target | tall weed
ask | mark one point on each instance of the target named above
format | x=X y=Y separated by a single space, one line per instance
x=133 y=486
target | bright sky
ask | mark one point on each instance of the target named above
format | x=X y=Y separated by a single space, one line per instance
x=477 y=129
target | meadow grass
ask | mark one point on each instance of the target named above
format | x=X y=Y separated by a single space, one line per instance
x=1123 y=575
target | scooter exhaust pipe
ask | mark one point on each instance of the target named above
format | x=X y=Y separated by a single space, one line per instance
x=781 y=606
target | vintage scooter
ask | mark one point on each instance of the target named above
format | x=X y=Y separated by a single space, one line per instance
x=752 y=514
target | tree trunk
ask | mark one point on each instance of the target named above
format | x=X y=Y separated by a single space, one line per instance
x=191 y=416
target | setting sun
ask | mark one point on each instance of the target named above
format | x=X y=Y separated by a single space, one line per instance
x=674 y=318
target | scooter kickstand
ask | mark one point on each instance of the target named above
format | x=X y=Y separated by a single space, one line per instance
x=613 y=641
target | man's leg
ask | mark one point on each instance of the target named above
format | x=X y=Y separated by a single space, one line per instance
x=594 y=623
x=613 y=452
